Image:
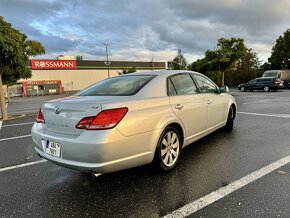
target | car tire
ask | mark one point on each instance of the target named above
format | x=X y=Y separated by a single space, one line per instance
x=230 y=120
x=243 y=89
x=266 y=88
x=168 y=149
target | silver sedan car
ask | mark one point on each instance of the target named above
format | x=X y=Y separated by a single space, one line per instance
x=132 y=120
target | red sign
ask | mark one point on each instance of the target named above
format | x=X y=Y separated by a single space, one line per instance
x=53 y=64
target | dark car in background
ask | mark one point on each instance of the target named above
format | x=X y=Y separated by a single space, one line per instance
x=262 y=83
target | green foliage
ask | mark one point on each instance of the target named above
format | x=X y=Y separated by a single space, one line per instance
x=179 y=62
x=227 y=53
x=15 y=50
x=265 y=66
x=131 y=70
x=232 y=59
x=280 y=56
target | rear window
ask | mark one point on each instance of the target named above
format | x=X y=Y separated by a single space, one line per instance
x=270 y=74
x=117 y=86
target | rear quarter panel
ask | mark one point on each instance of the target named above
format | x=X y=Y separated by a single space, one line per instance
x=145 y=116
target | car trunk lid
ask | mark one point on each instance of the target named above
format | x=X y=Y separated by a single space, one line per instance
x=62 y=115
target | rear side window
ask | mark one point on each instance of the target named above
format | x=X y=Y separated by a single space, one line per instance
x=171 y=89
x=117 y=86
x=183 y=85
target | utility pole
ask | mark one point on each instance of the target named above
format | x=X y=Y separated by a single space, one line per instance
x=107 y=62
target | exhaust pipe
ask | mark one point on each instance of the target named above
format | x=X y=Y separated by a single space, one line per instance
x=95 y=175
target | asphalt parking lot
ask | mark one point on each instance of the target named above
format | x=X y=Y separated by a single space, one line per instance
x=242 y=174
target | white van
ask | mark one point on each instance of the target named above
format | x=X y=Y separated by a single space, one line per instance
x=283 y=75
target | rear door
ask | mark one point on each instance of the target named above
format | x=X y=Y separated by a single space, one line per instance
x=187 y=103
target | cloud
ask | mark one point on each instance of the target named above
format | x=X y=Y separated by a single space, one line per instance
x=141 y=30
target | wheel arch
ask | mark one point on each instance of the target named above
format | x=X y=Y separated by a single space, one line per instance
x=179 y=128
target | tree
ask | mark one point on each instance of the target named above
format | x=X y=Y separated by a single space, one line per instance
x=179 y=62
x=15 y=50
x=280 y=56
x=130 y=70
x=265 y=66
x=246 y=68
x=227 y=53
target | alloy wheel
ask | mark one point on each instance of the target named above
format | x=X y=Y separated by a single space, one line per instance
x=170 y=148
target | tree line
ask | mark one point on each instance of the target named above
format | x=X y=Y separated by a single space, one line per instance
x=232 y=63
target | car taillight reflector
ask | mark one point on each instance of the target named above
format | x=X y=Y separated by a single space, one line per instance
x=106 y=119
x=40 y=117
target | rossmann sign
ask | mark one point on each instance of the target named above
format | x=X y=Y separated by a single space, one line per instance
x=53 y=64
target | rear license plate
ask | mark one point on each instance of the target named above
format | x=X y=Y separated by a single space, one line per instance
x=52 y=148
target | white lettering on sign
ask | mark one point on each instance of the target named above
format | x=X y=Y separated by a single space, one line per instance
x=53 y=64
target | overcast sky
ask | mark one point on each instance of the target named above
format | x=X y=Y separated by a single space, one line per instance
x=145 y=29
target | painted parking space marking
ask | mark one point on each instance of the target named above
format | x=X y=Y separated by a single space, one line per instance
x=266 y=115
x=18 y=124
x=17 y=137
x=255 y=102
x=214 y=196
x=22 y=165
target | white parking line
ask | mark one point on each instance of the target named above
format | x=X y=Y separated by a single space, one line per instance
x=22 y=165
x=18 y=124
x=267 y=115
x=214 y=196
x=254 y=102
x=17 y=137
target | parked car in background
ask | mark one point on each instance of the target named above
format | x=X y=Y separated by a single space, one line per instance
x=131 y=120
x=283 y=75
x=262 y=83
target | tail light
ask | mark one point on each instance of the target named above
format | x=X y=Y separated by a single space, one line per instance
x=40 y=117
x=106 y=119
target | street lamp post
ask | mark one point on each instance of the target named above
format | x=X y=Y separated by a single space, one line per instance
x=107 y=62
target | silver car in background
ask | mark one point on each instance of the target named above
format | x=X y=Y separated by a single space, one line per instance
x=132 y=120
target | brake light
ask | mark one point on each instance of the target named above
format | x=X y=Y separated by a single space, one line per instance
x=40 y=117
x=106 y=119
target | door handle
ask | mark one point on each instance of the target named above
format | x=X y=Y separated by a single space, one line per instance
x=208 y=102
x=178 y=106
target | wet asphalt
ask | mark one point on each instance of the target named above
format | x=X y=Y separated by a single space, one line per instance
x=47 y=190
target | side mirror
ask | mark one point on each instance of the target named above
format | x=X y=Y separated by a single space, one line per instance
x=224 y=89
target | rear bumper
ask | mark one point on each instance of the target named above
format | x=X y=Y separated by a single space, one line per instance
x=102 y=151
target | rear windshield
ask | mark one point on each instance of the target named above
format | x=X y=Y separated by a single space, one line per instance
x=270 y=74
x=117 y=86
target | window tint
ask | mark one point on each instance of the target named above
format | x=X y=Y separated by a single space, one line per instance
x=171 y=89
x=205 y=85
x=252 y=81
x=184 y=84
x=117 y=86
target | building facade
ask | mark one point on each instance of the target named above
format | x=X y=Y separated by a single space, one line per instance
x=57 y=76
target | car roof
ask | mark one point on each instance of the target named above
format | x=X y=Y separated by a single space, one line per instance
x=267 y=77
x=161 y=73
